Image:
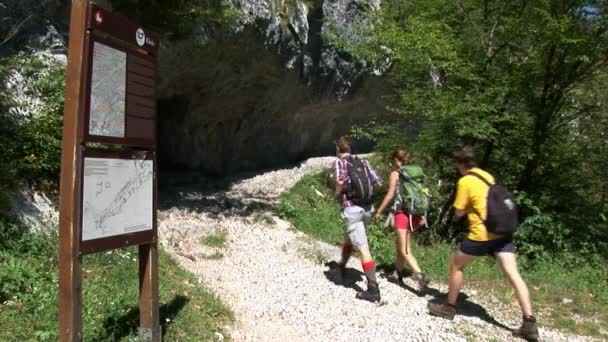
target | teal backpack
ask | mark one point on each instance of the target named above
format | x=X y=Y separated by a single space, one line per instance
x=412 y=196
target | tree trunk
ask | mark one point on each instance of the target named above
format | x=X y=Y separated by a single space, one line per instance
x=487 y=154
x=539 y=138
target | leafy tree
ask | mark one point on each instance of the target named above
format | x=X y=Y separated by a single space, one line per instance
x=179 y=18
x=520 y=80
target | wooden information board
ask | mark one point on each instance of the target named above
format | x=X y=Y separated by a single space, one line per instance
x=120 y=81
x=108 y=194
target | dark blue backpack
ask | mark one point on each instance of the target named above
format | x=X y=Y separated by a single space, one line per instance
x=502 y=212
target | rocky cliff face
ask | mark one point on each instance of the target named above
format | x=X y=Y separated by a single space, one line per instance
x=269 y=91
x=274 y=93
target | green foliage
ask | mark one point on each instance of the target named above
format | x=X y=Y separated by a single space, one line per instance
x=31 y=144
x=29 y=285
x=24 y=260
x=314 y=214
x=263 y=217
x=519 y=80
x=215 y=240
x=178 y=19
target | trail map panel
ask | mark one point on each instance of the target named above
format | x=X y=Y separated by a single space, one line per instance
x=108 y=85
x=117 y=197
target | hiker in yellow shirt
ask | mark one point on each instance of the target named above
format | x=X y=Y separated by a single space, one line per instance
x=471 y=200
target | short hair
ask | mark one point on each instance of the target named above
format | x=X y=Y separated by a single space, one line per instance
x=464 y=155
x=343 y=144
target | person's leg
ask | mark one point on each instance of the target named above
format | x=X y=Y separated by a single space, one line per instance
x=399 y=260
x=507 y=262
x=347 y=244
x=337 y=274
x=457 y=264
x=400 y=224
x=355 y=219
x=347 y=250
x=406 y=251
x=397 y=275
x=459 y=261
x=368 y=264
x=508 y=265
x=357 y=234
x=420 y=277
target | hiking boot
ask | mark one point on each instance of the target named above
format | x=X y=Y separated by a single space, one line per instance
x=372 y=294
x=422 y=279
x=444 y=310
x=528 y=330
x=395 y=277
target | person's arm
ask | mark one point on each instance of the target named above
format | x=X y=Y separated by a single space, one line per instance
x=376 y=180
x=339 y=176
x=390 y=193
x=458 y=215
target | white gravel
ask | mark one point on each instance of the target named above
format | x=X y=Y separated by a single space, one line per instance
x=271 y=276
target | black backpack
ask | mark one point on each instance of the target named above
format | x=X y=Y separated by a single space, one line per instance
x=502 y=211
x=360 y=189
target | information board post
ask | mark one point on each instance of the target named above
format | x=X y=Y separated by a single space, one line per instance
x=148 y=293
x=70 y=262
x=149 y=316
x=108 y=193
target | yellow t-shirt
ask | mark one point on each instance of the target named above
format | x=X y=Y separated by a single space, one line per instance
x=472 y=196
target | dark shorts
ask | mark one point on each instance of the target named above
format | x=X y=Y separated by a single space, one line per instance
x=480 y=248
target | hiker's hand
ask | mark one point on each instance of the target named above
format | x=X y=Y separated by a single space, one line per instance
x=375 y=218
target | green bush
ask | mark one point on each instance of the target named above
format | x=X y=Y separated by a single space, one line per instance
x=32 y=148
x=17 y=276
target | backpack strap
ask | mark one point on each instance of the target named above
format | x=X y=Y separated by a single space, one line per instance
x=477 y=175
x=403 y=174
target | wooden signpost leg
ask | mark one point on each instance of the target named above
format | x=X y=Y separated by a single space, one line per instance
x=148 y=293
x=70 y=263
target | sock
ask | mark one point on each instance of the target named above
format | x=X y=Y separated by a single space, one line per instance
x=370 y=272
x=347 y=250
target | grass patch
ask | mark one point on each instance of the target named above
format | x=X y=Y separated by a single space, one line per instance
x=313 y=255
x=215 y=256
x=314 y=215
x=549 y=281
x=215 y=240
x=29 y=281
x=263 y=217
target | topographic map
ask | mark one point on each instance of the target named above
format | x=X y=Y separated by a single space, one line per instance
x=108 y=83
x=117 y=197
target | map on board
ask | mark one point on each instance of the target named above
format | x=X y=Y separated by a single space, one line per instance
x=108 y=84
x=117 y=197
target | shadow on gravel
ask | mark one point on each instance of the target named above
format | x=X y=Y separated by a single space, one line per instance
x=349 y=278
x=196 y=192
x=465 y=307
x=215 y=204
x=117 y=328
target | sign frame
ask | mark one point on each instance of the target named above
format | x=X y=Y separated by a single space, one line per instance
x=122 y=240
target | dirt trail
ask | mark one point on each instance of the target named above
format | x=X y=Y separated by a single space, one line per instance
x=269 y=274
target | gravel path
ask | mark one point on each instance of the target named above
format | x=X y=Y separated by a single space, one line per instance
x=273 y=279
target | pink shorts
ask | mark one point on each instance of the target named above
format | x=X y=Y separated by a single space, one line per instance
x=402 y=221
